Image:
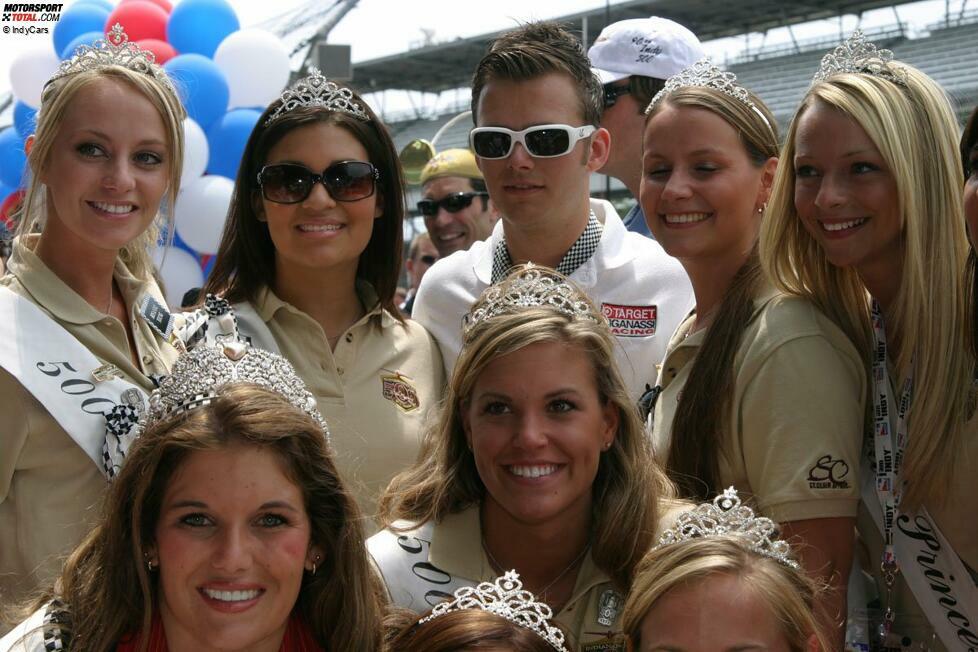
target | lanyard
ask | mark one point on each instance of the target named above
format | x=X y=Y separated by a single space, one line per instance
x=889 y=447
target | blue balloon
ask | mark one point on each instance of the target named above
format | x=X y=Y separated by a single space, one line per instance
x=199 y=26
x=78 y=20
x=105 y=4
x=5 y=192
x=201 y=85
x=12 y=158
x=82 y=39
x=25 y=119
x=226 y=141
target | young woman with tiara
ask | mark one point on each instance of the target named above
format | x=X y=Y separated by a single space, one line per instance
x=85 y=327
x=310 y=257
x=228 y=528
x=536 y=463
x=722 y=580
x=866 y=221
x=759 y=390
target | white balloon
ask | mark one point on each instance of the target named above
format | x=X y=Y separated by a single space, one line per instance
x=180 y=272
x=196 y=152
x=200 y=212
x=29 y=72
x=256 y=65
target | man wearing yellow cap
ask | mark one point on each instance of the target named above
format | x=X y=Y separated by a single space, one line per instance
x=454 y=201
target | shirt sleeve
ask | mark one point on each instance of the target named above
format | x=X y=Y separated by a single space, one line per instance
x=801 y=422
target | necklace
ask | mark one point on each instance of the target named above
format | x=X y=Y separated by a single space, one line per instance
x=498 y=568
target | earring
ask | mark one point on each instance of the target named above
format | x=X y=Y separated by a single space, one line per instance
x=314 y=562
x=149 y=562
x=607 y=445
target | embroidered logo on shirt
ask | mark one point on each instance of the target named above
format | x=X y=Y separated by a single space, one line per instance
x=399 y=391
x=828 y=473
x=609 y=604
x=631 y=321
x=610 y=643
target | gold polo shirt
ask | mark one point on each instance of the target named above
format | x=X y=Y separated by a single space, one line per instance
x=794 y=432
x=49 y=487
x=374 y=389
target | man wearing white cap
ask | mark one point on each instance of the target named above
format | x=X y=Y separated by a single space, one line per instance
x=633 y=58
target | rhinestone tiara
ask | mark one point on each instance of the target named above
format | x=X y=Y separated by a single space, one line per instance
x=506 y=598
x=859 y=55
x=705 y=74
x=114 y=50
x=317 y=91
x=726 y=517
x=530 y=286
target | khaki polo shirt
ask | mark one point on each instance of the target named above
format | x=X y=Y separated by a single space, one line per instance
x=49 y=488
x=374 y=389
x=794 y=433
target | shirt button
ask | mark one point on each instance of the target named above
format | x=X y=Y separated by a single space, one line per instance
x=349 y=337
x=147 y=359
x=108 y=321
x=339 y=370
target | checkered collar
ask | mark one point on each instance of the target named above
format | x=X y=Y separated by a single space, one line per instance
x=579 y=253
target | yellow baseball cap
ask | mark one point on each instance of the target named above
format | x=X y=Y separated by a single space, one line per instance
x=451 y=163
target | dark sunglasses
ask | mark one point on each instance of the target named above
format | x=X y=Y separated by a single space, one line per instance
x=291 y=183
x=542 y=141
x=612 y=93
x=452 y=203
x=428 y=259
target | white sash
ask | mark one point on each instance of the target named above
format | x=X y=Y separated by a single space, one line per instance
x=57 y=370
x=413 y=582
x=253 y=328
x=935 y=574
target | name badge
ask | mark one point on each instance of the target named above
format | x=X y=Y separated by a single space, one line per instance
x=157 y=317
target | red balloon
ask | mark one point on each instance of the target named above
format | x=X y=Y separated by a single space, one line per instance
x=162 y=50
x=140 y=19
x=162 y=4
x=9 y=207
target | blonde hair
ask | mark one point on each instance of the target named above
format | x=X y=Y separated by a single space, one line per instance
x=628 y=483
x=915 y=130
x=789 y=594
x=55 y=100
x=105 y=584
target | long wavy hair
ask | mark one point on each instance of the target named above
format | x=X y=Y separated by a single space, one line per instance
x=105 y=584
x=55 y=100
x=246 y=256
x=700 y=424
x=790 y=595
x=915 y=130
x=629 y=484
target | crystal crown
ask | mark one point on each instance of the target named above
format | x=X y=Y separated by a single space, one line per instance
x=726 y=517
x=705 y=74
x=858 y=55
x=317 y=91
x=530 y=286
x=506 y=598
x=114 y=50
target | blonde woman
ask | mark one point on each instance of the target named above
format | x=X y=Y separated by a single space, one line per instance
x=537 y=463
x=758 y=389
x=866 y=221
x=85 y=327
x=722 y=580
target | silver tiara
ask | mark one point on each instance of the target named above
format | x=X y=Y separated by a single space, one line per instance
x=858 y=55
x=530 y=286
x=114 y=50
x=317 y=91
x=506 y=598
x=726 y=517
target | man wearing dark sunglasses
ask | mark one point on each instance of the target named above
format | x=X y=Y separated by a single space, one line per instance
x=422 y=254
x=633 y=58
x=454 y=201
x=536 y=106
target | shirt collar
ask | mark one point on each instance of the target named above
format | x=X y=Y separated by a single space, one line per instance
x=578 y=254
x=267 y=303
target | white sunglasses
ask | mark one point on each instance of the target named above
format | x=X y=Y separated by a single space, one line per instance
x=541 y=141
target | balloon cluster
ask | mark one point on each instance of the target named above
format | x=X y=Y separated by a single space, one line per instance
x=225 y=75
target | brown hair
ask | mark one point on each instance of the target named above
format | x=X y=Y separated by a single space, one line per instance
x=629 y=484
x=468 y=629
x=246 y=256
x=105 y=584
x=789 y=593
x=699 y=425
x=643 y=89
x=969 y=143
x=534 y=50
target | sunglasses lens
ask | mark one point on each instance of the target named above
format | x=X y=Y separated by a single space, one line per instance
x=455 y=203
x=548 y=142
x=286 y=184
x=350 y=181
x=491 y=144
x=428 y=207
x=428 y=259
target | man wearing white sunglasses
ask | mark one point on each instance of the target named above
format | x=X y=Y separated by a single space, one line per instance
x=537 y=106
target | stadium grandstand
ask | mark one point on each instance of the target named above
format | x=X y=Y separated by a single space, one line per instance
x=945 y=48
